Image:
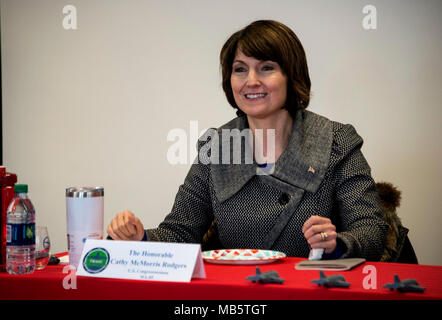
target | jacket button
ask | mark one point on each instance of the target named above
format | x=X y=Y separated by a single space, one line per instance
x=284 y=199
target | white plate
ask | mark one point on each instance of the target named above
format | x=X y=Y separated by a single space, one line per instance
x=242 y=256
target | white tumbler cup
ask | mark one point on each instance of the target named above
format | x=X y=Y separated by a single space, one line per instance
x=84 y=217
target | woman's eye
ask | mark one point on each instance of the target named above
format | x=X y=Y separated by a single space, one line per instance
x=239 y=69
x=267 y=68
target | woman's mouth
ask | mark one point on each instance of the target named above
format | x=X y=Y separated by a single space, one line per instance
x=255 y=96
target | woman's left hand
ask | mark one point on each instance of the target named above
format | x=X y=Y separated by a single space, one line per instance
x=320 y=233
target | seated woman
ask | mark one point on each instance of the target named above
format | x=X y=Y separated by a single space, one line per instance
x=315 y=192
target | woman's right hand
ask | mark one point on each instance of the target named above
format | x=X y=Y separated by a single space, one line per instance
x=126 y=226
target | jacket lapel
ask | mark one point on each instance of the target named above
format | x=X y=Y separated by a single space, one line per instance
x=303 y=164
x=229 y=178
x=305 y=161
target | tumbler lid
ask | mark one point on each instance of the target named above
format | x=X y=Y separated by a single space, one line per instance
x=84 y=192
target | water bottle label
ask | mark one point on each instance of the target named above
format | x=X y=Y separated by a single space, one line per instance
x=20 y=234
x=8 y=233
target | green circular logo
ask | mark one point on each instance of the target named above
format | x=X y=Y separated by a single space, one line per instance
x=96 y=260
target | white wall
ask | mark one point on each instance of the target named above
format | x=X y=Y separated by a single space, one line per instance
x=93 y=106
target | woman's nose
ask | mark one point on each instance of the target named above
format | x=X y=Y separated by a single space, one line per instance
x=253 y=79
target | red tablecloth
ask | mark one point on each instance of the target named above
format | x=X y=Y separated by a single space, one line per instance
x=225 y=282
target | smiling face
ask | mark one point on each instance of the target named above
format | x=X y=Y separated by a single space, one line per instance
x=259 y=87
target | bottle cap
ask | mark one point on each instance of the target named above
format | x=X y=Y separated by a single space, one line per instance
x=21 y=188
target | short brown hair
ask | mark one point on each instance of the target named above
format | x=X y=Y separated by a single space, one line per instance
x=270 y=40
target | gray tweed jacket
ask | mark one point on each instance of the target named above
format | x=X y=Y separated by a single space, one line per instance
x=268 y=211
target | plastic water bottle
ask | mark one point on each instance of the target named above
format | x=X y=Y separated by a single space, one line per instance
x=20 y=243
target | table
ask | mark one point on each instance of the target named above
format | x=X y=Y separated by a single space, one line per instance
x=227 y=282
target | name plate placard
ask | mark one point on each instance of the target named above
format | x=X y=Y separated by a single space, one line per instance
x=155 y=261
